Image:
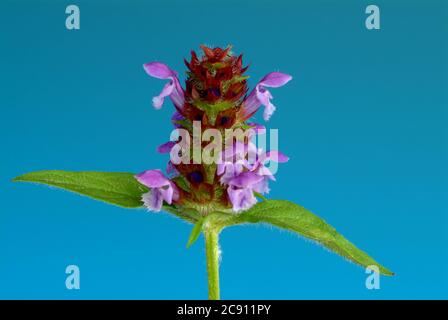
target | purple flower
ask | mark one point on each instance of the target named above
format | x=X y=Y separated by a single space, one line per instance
x=243 y=170
x=240 y=190
x=172 y=89
x=260 y=169
x=259 y=165
x=261 y=96
x=161 y=189
x=166 y=147
x=234 y=160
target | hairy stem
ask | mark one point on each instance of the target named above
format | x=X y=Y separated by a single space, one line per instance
x=211 y=236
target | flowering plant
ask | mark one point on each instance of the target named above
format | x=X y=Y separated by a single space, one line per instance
x=215 y=185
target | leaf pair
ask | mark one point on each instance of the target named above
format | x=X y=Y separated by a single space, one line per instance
x=122 y=189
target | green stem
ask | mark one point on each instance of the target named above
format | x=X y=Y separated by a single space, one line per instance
x=212 y=255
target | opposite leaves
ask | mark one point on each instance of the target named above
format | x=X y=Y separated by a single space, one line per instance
x=122 y=189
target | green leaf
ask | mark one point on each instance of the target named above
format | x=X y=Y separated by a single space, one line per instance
x=118 y=188
x=290 y=216
x=195 y=232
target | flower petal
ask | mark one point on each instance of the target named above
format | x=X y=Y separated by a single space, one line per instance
x=177 y=96
x=161 y=189
x=264 y=171
x=260 y=96
x=238 y=150
x=167 y=90
x=230 y=170
x=167 y=193
x=275 y=79
x=261 y=187
x=241 y=199
x=264 y=97
x=250 y=105
x=152 y=179
x=173 y=89
x=245 y=179
x=276 y=156
x=159 y=70
x=220 y=168
x=153 y=200
x=166 y=147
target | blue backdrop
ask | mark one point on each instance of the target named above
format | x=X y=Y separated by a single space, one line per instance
x=363 y=121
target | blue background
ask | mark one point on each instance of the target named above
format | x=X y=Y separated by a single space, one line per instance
x=364 y=122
